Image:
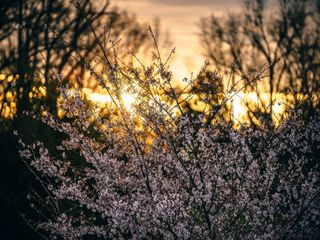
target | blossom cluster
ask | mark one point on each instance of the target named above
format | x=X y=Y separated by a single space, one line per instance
x=177 y=177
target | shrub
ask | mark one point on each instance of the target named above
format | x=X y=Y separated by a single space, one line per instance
x=160 y=171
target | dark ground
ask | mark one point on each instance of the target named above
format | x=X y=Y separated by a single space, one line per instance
x=15 y=183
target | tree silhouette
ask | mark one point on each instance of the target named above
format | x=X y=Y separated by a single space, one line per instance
x=39 y=36
x=284 y=36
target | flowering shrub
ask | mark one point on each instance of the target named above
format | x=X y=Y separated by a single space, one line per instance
x=158 y=171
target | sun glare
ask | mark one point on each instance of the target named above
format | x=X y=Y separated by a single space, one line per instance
x=99 y=98
x=128 y=100
x=239 y=110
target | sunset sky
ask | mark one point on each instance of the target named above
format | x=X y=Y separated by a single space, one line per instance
x=181 y=19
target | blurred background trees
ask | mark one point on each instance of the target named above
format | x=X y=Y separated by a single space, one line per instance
x=282 y=34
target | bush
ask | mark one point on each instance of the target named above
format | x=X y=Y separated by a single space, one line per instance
x=157 y=170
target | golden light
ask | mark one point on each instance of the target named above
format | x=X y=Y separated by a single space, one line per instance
x=99 y=98
x=10 y=96
x=2 y=77
x=239 y=110
x=128 y=100
x=240 y=113
x=10 y=78
x=43 y=91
